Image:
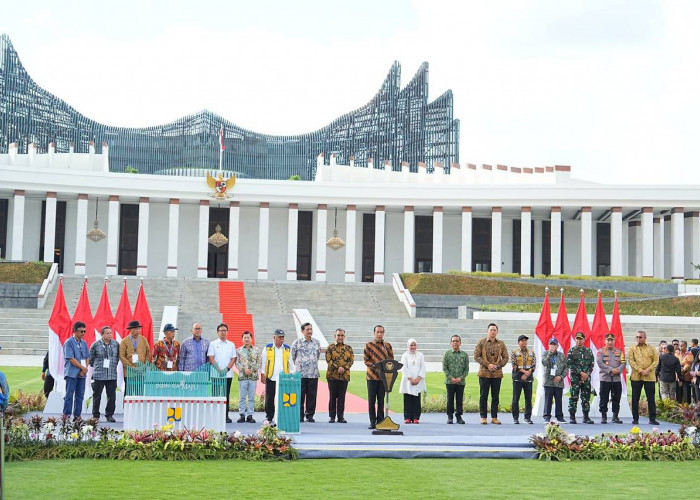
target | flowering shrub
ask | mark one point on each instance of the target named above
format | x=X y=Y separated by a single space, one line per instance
x=557 y=444
x=21 y=402
x=36 y=438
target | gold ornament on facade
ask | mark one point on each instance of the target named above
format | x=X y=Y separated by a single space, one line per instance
x=335 y=242
x=96 y=234
x=218 y=239
x=222 y=188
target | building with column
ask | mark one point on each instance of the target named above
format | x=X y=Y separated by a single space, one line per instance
x=470 y=218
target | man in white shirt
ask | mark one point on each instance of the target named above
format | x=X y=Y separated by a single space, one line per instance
x=222 y=354
x=276 y=359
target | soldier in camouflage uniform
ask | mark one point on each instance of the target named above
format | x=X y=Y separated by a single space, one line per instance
x=580 y=361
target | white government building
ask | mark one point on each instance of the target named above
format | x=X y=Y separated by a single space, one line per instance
x=499 y=219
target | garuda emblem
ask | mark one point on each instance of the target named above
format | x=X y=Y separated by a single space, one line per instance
x=221 y=186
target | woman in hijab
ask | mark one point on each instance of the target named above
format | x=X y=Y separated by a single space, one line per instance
x=412 y=382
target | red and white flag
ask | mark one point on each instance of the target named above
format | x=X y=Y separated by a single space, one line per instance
x=562 y=331
x=544 y=332
x=581 y=322
x=123 y=316
x=616 y=329
x=142 y=314
x=103 y=315
x=59 y=332
x=221 y=138
x=84 y=313
x=600 y=325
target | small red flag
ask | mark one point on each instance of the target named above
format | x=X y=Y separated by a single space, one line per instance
x=544 y=328
x=581 y=322
x=123 y=316
x=221 y=138
x=84 y=313
x=103 y=315
x=143 y=315
x=562 y=328
x=600 y=325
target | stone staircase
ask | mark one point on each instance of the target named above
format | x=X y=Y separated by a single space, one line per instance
x=356 y=307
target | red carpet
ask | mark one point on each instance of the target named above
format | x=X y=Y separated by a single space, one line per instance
x=232 y=306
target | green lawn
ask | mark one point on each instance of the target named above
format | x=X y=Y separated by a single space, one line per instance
x=418 y=478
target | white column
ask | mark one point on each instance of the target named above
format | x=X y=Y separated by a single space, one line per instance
x=409 y=233
x=466 y=263
x=173 y=236
x=636 y=228
x=350 y=225
x=525 y=240
x=142 y=251
x=586 y=242
x=694 y=238
x=496 y=218
x=659 y=247
x=112 y=236
x=321 y=233
x=50 y=227
x=203 y=239
x=80 y=234
x=537 y=247
x=292 y=237
x=17 y=225
x=677 y=244
x=616 y=242
x=379 y=226
x=647 y=249
x=263 y=240
x=437 y=239
x=234 y=216
x=555 y=241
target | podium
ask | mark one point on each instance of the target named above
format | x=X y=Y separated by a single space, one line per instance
x=191 y=400
x=287 y=402
x=388 y=371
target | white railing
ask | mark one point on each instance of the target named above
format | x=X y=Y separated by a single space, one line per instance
x=47 y=286
x=403 y=295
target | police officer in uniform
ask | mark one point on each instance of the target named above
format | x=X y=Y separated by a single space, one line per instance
x=611 y=364
x=580 y=361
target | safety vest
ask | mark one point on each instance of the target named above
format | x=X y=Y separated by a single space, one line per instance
x=270 y=359
x=523 y=362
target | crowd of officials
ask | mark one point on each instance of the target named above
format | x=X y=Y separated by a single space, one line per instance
x=675 y=366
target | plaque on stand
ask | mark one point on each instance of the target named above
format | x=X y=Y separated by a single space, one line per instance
x=388 y=370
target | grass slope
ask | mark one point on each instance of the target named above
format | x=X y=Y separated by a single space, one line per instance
x=23 y=272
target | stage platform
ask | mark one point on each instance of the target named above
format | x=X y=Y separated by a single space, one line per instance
x=432 y=438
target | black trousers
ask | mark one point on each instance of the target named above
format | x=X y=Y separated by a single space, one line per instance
x=526 y=388
x=336 y=400
x=696 y=391
x=110 y=386
x=411 y=407
x=270 y=389
x=606 y=388
x=637 y=386
x=454 y=392
x=553 y=393
x=486 y=385
x=375 y=395
x=309 y=389
x=686 y=391
x=228 y=392
x=48 y=384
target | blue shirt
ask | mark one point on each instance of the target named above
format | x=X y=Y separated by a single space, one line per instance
x=71 y=349
x=193 y=354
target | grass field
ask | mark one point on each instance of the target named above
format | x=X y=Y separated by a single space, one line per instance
x=338 y=478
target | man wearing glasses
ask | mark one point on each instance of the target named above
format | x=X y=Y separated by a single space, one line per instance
x=643 y=359
x=75 y=351
x=455 y=365
x=193 y=351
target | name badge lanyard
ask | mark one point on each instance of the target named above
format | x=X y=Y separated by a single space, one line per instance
x=169 y=349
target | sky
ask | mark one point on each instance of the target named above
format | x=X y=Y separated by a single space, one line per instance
x=611 y=88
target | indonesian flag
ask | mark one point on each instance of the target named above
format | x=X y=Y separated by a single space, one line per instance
x=143 y=315
x=600 y=325
x=221 y=138
x=123 y=316
x=562 y=331
x=84 y=313
x=581 y=321
x=616 y=329
x=544 y=331
x=59 y=332
x=103 y=316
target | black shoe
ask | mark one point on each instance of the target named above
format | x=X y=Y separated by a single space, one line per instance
x=449 y=420
x=301 y=419
x=516 y=421
x=372 y=426
x=561 y=420
x=572 y=418
x=310 y=419
x=241 y=419
x=331 y=420
x=110 y=419
x=250 y=419
x=341 y=420
x=603 y=419
x=635 y=422
x=616 y=420
x=587 y=420
x=653 y=422
x=528 y=421
x=459 y=419
x=229 y=421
